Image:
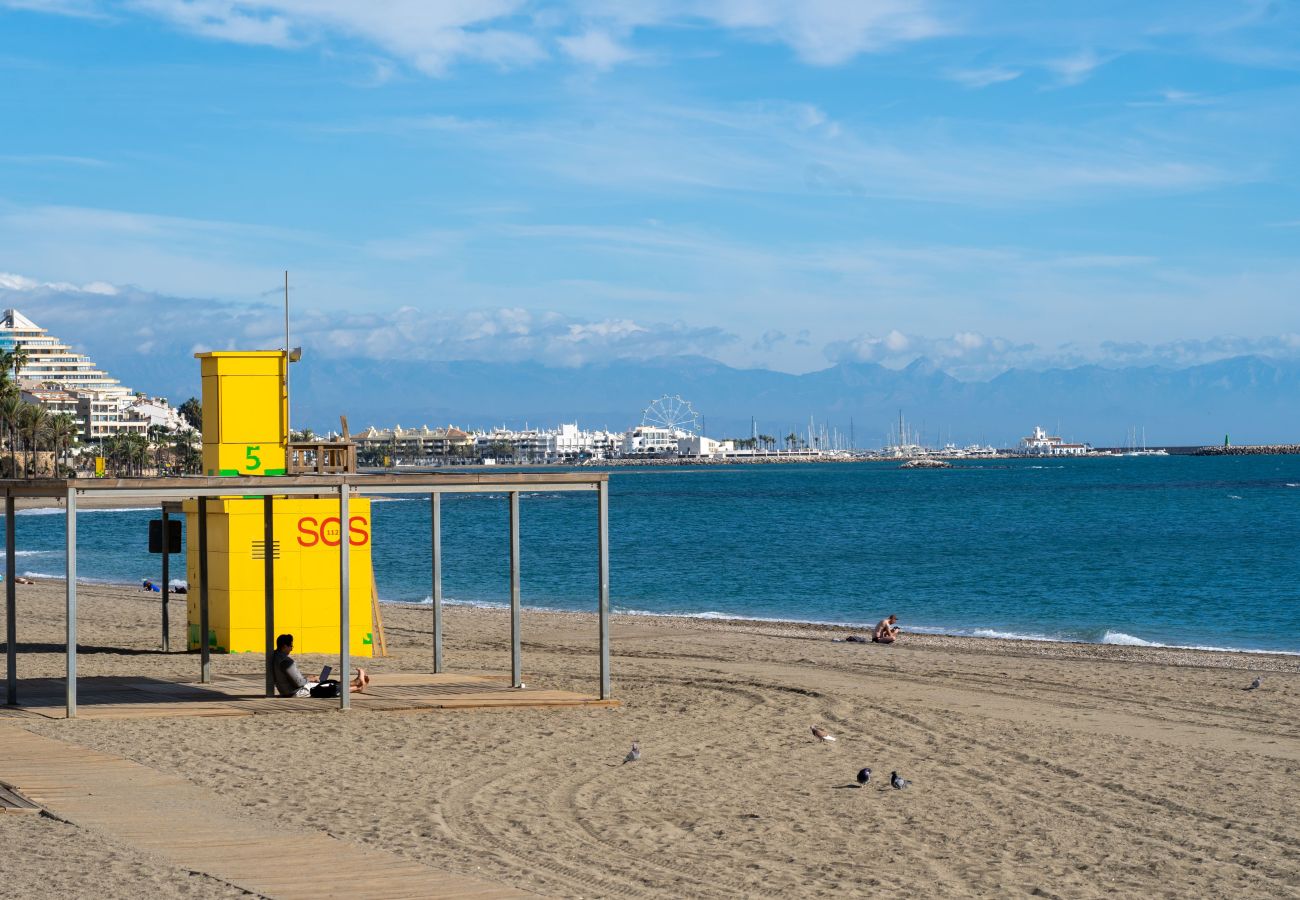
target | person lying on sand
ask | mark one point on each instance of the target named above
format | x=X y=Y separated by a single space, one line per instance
x=292 y=683
x=886 y=632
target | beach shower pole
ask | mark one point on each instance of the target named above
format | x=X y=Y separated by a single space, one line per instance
x=166 y=581
x=11 y=606
x=268 y=569
x=435 y=542
x=602 y=493
x=205 y=660
x=345 y=643
x=70 y=565
x=516 y=661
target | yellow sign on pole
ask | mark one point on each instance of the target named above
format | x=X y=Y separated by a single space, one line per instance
x=99 y=467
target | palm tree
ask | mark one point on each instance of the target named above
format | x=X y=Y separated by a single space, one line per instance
x=11 y=406
x=11 y=363
x=63 y=434
x=32 y=422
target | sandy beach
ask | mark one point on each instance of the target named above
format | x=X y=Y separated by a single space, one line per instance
x=1039 y=769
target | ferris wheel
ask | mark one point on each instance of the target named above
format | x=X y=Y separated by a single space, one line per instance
x=673 y=413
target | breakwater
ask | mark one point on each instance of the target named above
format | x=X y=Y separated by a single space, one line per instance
x=1249 y=450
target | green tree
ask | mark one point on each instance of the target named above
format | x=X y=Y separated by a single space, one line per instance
x=32 y=422
x=11 y=407
x=192 y=412
x=63 y=435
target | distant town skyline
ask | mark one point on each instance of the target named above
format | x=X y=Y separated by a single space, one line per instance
x=772 y=185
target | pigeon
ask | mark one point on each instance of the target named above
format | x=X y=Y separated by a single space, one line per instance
x=897 y=783
x=1256 y=683
x=822 y=734
x=634 y=754
x=864 y=775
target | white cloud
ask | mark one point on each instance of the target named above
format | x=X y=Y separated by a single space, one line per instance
x=20 y=283
x=143 y=321
x=430 y=36
x=972 y=356
x=595 y=48
x=433 y=35
x=827 y=32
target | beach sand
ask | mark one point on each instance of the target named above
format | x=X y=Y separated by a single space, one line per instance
x=1039 y=769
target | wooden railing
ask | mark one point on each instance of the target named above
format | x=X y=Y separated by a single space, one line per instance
x=321 y=458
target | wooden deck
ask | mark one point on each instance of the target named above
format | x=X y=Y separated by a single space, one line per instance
x=195 y=830
x=243 y=695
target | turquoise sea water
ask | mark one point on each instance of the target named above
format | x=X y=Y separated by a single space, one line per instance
x=1173 y=550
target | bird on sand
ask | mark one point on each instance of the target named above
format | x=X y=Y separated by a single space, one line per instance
x=822 y=734
x=864 y=775
x=897 y=783
x=1256 y=683
x=634 y=754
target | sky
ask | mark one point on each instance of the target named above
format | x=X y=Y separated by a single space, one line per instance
x=769 y=184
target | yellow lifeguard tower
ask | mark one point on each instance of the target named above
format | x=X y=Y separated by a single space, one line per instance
x=246 y=432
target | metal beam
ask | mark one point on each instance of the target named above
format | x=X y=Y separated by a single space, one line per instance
x=166 y=582
x=268 y=569
x=11 y=606
x=345 y=636
x=516 y=660
x=435 y=544
x=70 y=566
x=603 y=539
x=205 y=660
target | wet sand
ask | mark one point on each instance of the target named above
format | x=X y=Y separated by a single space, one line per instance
x=1039 y=769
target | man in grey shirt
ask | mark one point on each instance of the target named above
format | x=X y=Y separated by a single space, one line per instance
x=292 y=683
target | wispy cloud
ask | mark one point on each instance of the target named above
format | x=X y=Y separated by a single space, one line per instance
x=982 y=78
x=1076 y=68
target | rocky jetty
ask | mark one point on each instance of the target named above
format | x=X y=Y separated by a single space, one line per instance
x=926 y=464
x=1255 y=450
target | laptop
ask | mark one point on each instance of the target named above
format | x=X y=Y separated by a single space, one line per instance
x=325 y=674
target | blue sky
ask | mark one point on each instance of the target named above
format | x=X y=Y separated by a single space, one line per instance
x=769 y=184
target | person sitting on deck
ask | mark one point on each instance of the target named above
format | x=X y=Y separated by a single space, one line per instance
x=292 y=683
x=886 y=632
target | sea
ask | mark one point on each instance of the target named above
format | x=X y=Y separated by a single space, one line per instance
x=1145 y=551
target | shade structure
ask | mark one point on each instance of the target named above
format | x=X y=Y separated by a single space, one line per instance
x=342 y=486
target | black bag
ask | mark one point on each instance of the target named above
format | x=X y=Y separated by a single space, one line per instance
x=326 y=689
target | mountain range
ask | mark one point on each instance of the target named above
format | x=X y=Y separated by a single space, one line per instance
x=1253 y=399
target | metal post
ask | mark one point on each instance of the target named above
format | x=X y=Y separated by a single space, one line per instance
x=11 y=606
x=166 y=581
x=603 y=495
x=516 y=661
x=435 y=506
x=345 y=637
x=70 y=565
x=205 y=660
x=268 y=544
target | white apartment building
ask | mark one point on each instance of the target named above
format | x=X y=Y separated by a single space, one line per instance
x=650 y=440
x=64 y=381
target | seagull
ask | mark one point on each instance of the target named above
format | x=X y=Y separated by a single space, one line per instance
x=634 y=754
x=822 y=734
x=1256 y=683
x=897 y=783
x=864 y=775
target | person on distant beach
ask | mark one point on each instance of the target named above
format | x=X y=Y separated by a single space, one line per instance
x=886 y=632
x=292 y=683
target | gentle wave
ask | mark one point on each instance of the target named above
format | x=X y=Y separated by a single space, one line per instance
x=59 y=511
x=1114 y=638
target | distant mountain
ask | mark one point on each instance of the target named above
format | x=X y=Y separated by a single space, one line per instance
x=1251 y=398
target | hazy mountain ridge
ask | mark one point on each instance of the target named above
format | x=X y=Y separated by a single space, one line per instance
x=1254 y=399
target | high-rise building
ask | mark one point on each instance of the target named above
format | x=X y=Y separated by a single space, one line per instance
x=50 y=362
x=63 y=380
